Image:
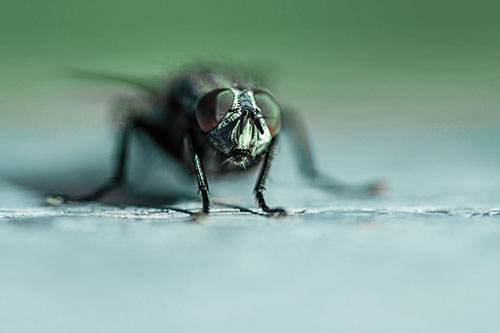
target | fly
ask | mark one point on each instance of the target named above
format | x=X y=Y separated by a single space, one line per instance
x=217 y=122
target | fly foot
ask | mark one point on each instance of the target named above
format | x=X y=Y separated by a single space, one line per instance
x=276 y=212
x=56 y=199
x=199 y=217
x=379 y=189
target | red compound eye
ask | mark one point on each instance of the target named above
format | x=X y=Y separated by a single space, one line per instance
x=270 y=111
x=213 y=107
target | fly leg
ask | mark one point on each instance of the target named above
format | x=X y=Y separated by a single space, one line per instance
x=115 y=181
x=260 y=186
x=200 y=175
x=293 y=124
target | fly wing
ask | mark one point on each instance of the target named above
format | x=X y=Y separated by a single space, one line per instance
x=149 y=85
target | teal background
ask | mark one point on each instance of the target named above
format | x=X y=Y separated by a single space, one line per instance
x=351 y=64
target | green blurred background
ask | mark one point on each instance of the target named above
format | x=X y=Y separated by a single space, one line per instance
x=351 y=64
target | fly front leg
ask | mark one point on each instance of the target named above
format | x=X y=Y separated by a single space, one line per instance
x=260 y=186
x=116 y=180
x=293 y=124
x=200 y=175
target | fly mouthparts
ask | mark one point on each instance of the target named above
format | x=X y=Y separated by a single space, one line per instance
x=240 y=153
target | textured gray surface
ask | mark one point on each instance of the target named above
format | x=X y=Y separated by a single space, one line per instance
x=423 y=258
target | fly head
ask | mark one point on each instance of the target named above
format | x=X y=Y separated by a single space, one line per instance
x=239 y=123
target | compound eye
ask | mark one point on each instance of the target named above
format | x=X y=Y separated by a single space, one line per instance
x=270 y=111
x=213 y=107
